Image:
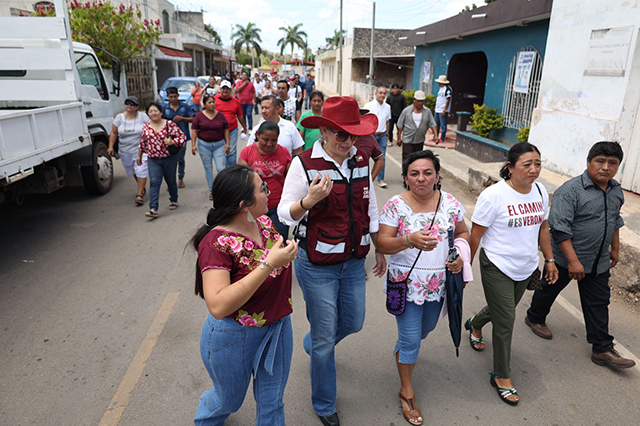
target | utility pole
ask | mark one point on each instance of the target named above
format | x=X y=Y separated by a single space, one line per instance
x=372 y=59
x=340 y=67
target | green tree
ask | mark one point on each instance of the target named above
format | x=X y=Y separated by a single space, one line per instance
x=120 y=31
x=214 y=33
x=294 y=37
x=248 y=37
x=334 y=40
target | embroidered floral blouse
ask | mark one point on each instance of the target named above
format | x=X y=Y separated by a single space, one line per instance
x=152 y=142
x=238 y=254
x=426 y=282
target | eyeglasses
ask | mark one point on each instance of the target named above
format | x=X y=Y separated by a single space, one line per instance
x=343 y=136
x=264 y=187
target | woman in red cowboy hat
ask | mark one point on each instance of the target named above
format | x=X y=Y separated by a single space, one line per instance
x=328 y=194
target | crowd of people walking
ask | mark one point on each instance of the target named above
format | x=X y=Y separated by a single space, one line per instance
x=301 y=200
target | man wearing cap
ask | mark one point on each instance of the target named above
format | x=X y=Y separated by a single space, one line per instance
x=289 y=136
x=382 y=110
x=413 y=124
x=232 y=111
x=328 y=195
x=182 y=114
x=443 y=108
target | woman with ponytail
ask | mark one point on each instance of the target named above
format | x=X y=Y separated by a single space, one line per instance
x=243 y=273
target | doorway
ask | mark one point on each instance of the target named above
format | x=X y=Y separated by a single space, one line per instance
x=468 y=75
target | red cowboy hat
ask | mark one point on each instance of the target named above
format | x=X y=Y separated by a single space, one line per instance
x=343 y=113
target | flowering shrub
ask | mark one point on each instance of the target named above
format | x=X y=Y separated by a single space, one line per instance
x=120 y=31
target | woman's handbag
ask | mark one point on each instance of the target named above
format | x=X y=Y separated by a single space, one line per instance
x=173 y=149
x=397 y=291
x=534 y=281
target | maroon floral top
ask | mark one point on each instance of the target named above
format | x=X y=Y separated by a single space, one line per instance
x=239 y=254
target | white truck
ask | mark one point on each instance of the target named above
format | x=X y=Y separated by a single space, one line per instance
x=55 y=109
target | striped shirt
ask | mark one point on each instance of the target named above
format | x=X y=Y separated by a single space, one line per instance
x=589 y=216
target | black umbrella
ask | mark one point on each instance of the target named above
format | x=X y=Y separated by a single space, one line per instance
x=454 y=288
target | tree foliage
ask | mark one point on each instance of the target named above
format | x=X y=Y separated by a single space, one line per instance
x=120 y=31
x=249 y=37
x=294 y=37
x=334 y=40
x=214 y=33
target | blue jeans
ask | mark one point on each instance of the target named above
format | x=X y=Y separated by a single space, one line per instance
x=414 y=325
x=382 y=143
x=335 y=300
x=162 y=168
x=233 y=143
x=247 y=110
x=210 y=152
x=281 y=227
x=181 y=162
x=232 y=354
x=441 y=123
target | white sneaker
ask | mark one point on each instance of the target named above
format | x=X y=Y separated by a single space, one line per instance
x=382 y=184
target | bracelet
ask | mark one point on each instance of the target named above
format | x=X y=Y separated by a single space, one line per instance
x=264 y=263
x=549 y=260
x=408 y=242
x=302 y=205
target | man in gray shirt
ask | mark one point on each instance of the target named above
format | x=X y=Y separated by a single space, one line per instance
x=413 y=124
x=585 y=224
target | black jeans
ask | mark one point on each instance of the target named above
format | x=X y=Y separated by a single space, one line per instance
x=393 y=122
x=594 y=298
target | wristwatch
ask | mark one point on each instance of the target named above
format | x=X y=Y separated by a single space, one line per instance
x=264 y=263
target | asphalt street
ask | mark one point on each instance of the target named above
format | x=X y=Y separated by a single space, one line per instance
x=91 y=334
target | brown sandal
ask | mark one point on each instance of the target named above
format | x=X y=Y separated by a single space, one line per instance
x=411 y=414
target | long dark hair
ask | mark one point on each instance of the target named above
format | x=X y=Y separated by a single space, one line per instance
x=232 y=186
x=512 y=157
x=267 y=126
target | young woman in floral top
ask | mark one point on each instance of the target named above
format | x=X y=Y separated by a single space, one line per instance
x=157 y=136
x=243 y=273
x=404 y=231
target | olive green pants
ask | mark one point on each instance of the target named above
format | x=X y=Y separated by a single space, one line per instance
x=502 y=294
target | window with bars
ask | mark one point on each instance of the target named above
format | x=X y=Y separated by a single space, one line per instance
x=522 y=88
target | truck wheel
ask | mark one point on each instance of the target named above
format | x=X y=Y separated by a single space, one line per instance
x=98 y=178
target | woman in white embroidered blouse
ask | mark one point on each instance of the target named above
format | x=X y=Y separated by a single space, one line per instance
x=405 y=229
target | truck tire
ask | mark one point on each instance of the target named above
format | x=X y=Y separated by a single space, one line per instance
x=98 y=178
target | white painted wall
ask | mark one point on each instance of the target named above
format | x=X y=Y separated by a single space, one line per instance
x=575 y=111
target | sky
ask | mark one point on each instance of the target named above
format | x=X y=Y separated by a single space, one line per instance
x=320 y=17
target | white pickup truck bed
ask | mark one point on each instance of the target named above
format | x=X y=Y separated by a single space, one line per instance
x=44 y=134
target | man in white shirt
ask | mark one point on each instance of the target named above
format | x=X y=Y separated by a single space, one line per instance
x=443 y=107
x=289 y=136
x=258 y=83
x=382 y=110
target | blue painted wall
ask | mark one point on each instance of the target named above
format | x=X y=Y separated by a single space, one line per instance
x=500 y=46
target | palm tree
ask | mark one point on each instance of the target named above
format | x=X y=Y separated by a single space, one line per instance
x=248 y=37
x=334 y=40
x=294 y=37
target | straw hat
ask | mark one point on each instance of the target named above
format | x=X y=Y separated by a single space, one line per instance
x=442 y=79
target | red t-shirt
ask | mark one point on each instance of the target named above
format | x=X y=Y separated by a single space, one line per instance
x=245 y=96
x=210 y=130
x=273 y=172
x=369 y=144
x=231 y=109
x=238 y=254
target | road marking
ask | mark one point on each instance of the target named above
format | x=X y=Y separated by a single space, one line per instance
x=123 y=395
x=578 y=315
x=575 y=312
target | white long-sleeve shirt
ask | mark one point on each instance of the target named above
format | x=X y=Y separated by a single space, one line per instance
x=296 y=187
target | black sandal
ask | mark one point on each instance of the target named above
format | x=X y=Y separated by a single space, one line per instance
x=152 y=214
x=139 y=200
x=504 y=393
x=473 y=340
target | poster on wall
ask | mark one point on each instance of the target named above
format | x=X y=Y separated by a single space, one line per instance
x=608 y=50
x=426 y=72
x=524 y=67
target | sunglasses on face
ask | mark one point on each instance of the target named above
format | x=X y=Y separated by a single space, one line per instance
x=343 y=136
x=131 y=103
x=264 y=188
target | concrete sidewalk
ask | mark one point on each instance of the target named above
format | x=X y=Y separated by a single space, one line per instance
x=477 y=176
